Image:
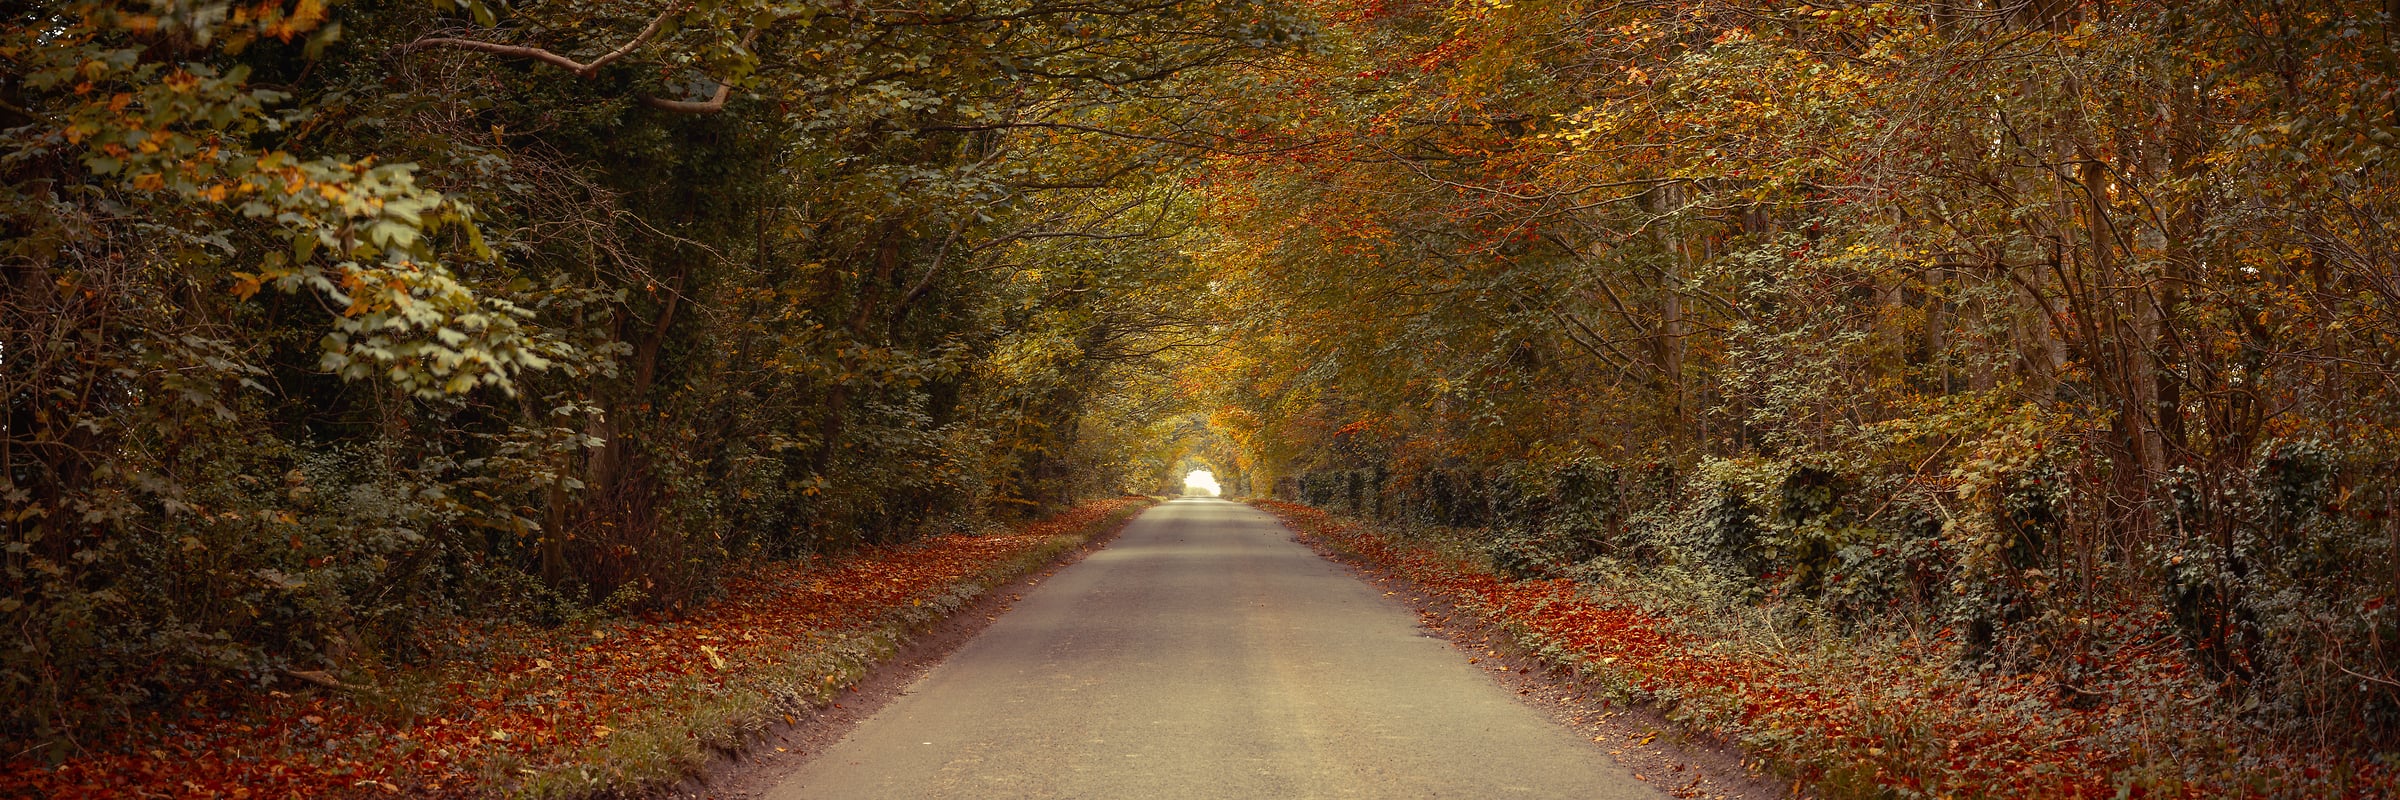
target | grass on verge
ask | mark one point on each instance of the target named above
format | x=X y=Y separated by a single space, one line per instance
x=668 y=743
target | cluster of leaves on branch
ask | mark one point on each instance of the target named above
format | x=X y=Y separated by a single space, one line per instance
x=327 y=325
x=1987 y=322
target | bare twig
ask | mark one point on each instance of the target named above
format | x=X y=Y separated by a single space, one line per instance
x=2384 y=681
x=320 y=678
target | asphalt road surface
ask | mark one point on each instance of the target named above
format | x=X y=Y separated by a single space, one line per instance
x=1205 y=654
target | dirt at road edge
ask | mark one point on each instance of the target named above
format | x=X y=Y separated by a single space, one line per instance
x=1645 y=742
x=783 y=749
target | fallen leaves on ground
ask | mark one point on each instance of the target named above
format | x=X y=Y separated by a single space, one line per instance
x=543 y=696
x=1860 y=727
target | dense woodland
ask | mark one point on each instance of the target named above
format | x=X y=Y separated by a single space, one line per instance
x=2052 y=329
x=2061 y=332
x=324 y=322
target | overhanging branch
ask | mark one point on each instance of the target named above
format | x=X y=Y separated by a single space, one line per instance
x=544 y=55
x=715 y=101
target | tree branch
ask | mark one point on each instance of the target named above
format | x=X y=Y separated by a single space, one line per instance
x=544 y=55
x=1069 y=126
x=714 y=103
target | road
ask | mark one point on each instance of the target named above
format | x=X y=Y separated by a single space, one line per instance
x=1204 y=654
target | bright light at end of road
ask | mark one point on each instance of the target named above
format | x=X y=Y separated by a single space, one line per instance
x=1200 y=482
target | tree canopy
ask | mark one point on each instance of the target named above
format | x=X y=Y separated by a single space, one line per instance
x=2001 y=317
x=325 y=319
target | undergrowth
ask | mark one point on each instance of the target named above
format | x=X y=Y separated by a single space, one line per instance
x=601 y=706
x=1860 y=711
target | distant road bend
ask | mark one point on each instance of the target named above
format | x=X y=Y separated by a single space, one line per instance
x=1206 y=655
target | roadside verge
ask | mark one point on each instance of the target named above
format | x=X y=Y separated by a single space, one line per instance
x=1839 y=716
x=621 y=706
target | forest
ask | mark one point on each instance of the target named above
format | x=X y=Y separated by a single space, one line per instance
x=2054 y=342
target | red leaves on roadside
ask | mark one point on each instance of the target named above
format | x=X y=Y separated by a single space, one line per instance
x=1888 y=726
x=540 y=697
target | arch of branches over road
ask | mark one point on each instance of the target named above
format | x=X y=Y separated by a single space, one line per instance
x=2051 y=328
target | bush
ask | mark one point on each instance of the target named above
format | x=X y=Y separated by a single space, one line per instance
x=258 y=559
x=1901 y=567
x=2270 y=579
x=1588 y=506
x=1526 y=554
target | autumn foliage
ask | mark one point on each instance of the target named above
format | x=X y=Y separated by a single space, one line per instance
x=327 y=325
x=2062 y=330
x=2061 y=334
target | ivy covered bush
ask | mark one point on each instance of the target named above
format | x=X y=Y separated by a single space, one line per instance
x=2269 y=580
